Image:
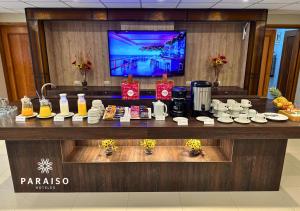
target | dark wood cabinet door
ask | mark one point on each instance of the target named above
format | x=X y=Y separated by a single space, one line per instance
x=17 y=62
x=290 y=64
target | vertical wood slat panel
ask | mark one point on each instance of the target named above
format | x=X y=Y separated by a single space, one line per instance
x=66 y=39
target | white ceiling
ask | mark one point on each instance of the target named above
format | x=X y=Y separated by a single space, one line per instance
x=275 y=6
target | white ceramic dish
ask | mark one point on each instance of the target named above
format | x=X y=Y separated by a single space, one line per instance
x=80 y=115
x=176 y=119
x=275 y=116
x=154 y=115
x=52 y=115
x=227 y=120
x=238 y=120
x=28 y=117
x=66 y=116
x=262 y=121
x=202 y=118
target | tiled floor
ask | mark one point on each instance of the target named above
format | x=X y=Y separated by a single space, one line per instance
x=288 y=198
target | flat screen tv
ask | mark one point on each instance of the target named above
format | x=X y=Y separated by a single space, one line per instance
x=146 y=53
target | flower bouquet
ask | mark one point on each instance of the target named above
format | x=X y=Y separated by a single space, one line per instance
x=83 y=67
x=217 y=64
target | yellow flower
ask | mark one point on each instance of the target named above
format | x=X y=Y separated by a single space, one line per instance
x=148 y=143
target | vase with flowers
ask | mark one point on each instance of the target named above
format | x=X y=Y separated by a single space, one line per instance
x=109 y=145
x=149 y=145
x=83 y=66
x=217 y=64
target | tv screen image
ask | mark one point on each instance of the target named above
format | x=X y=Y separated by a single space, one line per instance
x=146 y=53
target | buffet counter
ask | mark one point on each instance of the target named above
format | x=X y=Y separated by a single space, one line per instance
x=47 y=156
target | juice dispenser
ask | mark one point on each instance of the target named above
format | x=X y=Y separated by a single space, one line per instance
x=45 y=104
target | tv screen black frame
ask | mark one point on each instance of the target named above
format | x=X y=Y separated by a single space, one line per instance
x=139 y=76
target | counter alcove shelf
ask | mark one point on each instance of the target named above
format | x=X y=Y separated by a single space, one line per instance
x=238 y=157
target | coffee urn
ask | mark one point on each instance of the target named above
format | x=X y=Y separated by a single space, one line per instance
x=200 y=97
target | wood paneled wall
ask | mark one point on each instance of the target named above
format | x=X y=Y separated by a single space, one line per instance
x=65 y=39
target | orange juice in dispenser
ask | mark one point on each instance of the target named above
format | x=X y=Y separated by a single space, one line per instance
x=81 y=103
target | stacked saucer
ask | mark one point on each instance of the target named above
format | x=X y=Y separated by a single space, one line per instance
x=93 y=116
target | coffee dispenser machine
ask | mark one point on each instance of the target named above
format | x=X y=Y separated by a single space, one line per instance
x=178 y=105
x=200 y=97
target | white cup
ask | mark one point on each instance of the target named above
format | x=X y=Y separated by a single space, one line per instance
x=251 y=113
x=214 y=104
x=234 y=113
x=236 y=107
x=243 y=117
x=260 y=117
x=225 y=116
x=221 y=106
x=246 y=102
x=220 y=113
x=231 y=102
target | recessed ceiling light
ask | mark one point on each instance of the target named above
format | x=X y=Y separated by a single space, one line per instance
x=245 y=0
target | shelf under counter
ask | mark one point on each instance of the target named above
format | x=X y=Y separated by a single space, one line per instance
x=136 y=154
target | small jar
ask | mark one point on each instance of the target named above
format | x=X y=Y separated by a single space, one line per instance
x=27 y=108
x=81 y=104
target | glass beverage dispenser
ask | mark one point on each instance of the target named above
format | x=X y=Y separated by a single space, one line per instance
x=45 y=104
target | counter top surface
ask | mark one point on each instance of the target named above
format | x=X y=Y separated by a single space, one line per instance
x=49 y=130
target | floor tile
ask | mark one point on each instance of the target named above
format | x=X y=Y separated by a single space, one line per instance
x=9 y=200
x=101 y=202
x=46 y=201
x=154 y=201
x=208 y=201
x=263 y=200
x=293 y=145
x=2 y=148
x=293 y=194
x=290 y=169
x=6 y=181
x=4 y=164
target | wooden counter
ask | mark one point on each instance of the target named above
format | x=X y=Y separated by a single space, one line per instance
x=237 y=157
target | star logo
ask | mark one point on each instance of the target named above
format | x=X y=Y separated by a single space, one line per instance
x=44 y=166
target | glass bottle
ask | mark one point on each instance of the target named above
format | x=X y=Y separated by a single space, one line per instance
x=81 y=103
x=64 y=104
x=45 y=108
x=27 y=108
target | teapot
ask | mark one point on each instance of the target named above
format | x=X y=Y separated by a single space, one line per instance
x=159 y=109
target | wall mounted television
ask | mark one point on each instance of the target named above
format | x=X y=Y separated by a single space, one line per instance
x=146 y=53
